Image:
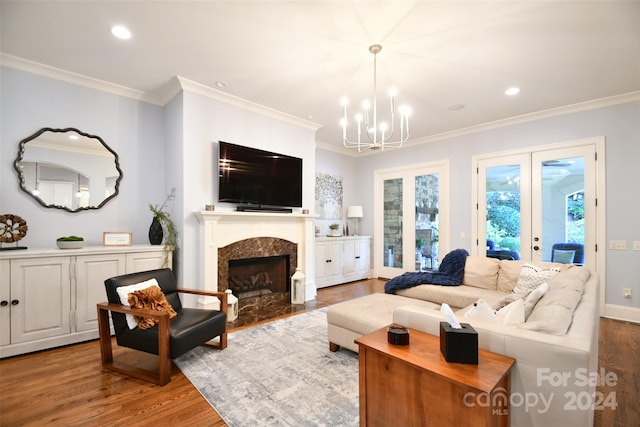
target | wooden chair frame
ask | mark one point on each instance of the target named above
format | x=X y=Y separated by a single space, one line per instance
x=163 y=376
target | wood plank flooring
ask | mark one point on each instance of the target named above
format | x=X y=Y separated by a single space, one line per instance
x=67 y=386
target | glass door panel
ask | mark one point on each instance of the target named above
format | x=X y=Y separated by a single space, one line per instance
x=503 y=219
x=564 y=205
x=427 y=190
x=411 y=218
x=392 y=228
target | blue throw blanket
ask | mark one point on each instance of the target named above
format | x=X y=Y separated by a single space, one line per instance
x=450 y=273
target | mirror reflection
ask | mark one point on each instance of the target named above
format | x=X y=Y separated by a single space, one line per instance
x=68 y=169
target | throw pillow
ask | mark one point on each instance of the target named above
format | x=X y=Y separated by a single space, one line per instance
x=151 y=298
x=532 y=299
x=506 y=300
x=124 y=291
x=563 y=256
x=513 y=314
x=481 y=310
x=532 y=276
x=481 y=272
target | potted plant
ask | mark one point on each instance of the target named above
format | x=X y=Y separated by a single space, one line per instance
x=162 y=221
x=334 y=229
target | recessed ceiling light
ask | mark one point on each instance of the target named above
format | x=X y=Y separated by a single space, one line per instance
x=74 y=136
x=121 y=32
x=221 y=84
x=512 y=91
x=456 y=107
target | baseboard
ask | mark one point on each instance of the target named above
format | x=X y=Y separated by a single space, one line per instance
x=622 y=312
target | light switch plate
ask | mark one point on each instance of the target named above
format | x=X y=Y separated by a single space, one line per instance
x=618 y=245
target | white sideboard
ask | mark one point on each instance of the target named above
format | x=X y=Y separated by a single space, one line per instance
x=342 y=259
x=48 y=297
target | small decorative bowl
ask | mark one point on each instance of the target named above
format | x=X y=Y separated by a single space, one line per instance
x=70 y=244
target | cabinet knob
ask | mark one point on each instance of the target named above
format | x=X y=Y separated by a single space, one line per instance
x=15 y=302
x=536 y=248
x=357 y=257
x=4 y=303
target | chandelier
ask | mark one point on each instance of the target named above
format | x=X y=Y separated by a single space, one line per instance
x=378 y=133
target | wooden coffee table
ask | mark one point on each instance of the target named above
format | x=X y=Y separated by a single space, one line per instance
x=414 y=385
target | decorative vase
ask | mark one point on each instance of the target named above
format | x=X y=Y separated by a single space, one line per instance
x=155 y=232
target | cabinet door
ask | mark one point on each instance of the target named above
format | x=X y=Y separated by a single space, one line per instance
x=5 y=298
x=363 y=256
x=143 y=261
x=40 y=298
x=349 y=261
x=335 y=257
x=91 y=272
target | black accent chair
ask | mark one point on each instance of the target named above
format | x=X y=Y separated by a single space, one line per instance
x=578 y=248
x=170 y=337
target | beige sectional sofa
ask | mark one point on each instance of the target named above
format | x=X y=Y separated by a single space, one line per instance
x=556 y=349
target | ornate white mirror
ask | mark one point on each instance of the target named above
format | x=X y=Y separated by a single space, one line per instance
x=68 y=169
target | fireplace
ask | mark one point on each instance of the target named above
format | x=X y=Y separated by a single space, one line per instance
x=231 y=235
x=258 y=272
x=259 y=277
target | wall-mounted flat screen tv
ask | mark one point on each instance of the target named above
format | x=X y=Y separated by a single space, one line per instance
x=256 y=177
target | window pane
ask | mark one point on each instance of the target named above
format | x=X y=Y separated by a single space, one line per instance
x=392 y=240
x=503 y=212
x=427 y=197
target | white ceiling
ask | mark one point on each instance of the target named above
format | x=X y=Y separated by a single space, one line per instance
x=301 y=57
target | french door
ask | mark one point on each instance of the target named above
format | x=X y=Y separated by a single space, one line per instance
x=538 y=205
x=411 y=218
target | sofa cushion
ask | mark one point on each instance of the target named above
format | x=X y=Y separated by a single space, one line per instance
x=532 y=299
x=366 y=314
x=508 y=274
x=553 y=313
x=481 y=272
x=455 y=296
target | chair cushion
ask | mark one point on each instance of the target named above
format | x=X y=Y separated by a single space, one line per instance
x=563 y=256
x=189 y=329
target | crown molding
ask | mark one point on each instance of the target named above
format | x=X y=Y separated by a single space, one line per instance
x=538 y=115
x=200 y=89
x=75 y=78
x=166 y=94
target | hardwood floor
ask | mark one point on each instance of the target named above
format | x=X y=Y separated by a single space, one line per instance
x=67 y=386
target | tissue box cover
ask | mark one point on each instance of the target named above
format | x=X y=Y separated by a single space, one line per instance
x=459 y=345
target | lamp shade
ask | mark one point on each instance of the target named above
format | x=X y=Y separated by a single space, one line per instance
x=355 y=212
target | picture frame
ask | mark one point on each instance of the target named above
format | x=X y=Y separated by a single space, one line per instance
x=117 y=238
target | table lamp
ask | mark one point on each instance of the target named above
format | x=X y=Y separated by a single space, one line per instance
x=356 y=213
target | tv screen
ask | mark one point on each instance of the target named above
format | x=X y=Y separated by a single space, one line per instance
x=257 y=177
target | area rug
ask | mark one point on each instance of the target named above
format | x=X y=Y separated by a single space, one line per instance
x=278 y=374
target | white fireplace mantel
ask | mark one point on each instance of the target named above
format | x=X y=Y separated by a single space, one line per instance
x=221 y=228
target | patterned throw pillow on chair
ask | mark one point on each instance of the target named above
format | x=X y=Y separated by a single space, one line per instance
x=151 y=298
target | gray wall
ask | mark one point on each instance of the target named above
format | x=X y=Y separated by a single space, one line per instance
x=131 y=128
x=620 y=124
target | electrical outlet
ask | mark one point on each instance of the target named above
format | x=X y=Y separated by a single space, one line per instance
x=636 y=245
x=618 y=245
x=626 y=292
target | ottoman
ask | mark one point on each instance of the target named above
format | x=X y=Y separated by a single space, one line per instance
x=352 y=319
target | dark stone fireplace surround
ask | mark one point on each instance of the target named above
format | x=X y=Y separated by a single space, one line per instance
x=257 y=247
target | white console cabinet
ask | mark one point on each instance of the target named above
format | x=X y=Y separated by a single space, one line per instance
x=342 y=259
x=48 y=297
